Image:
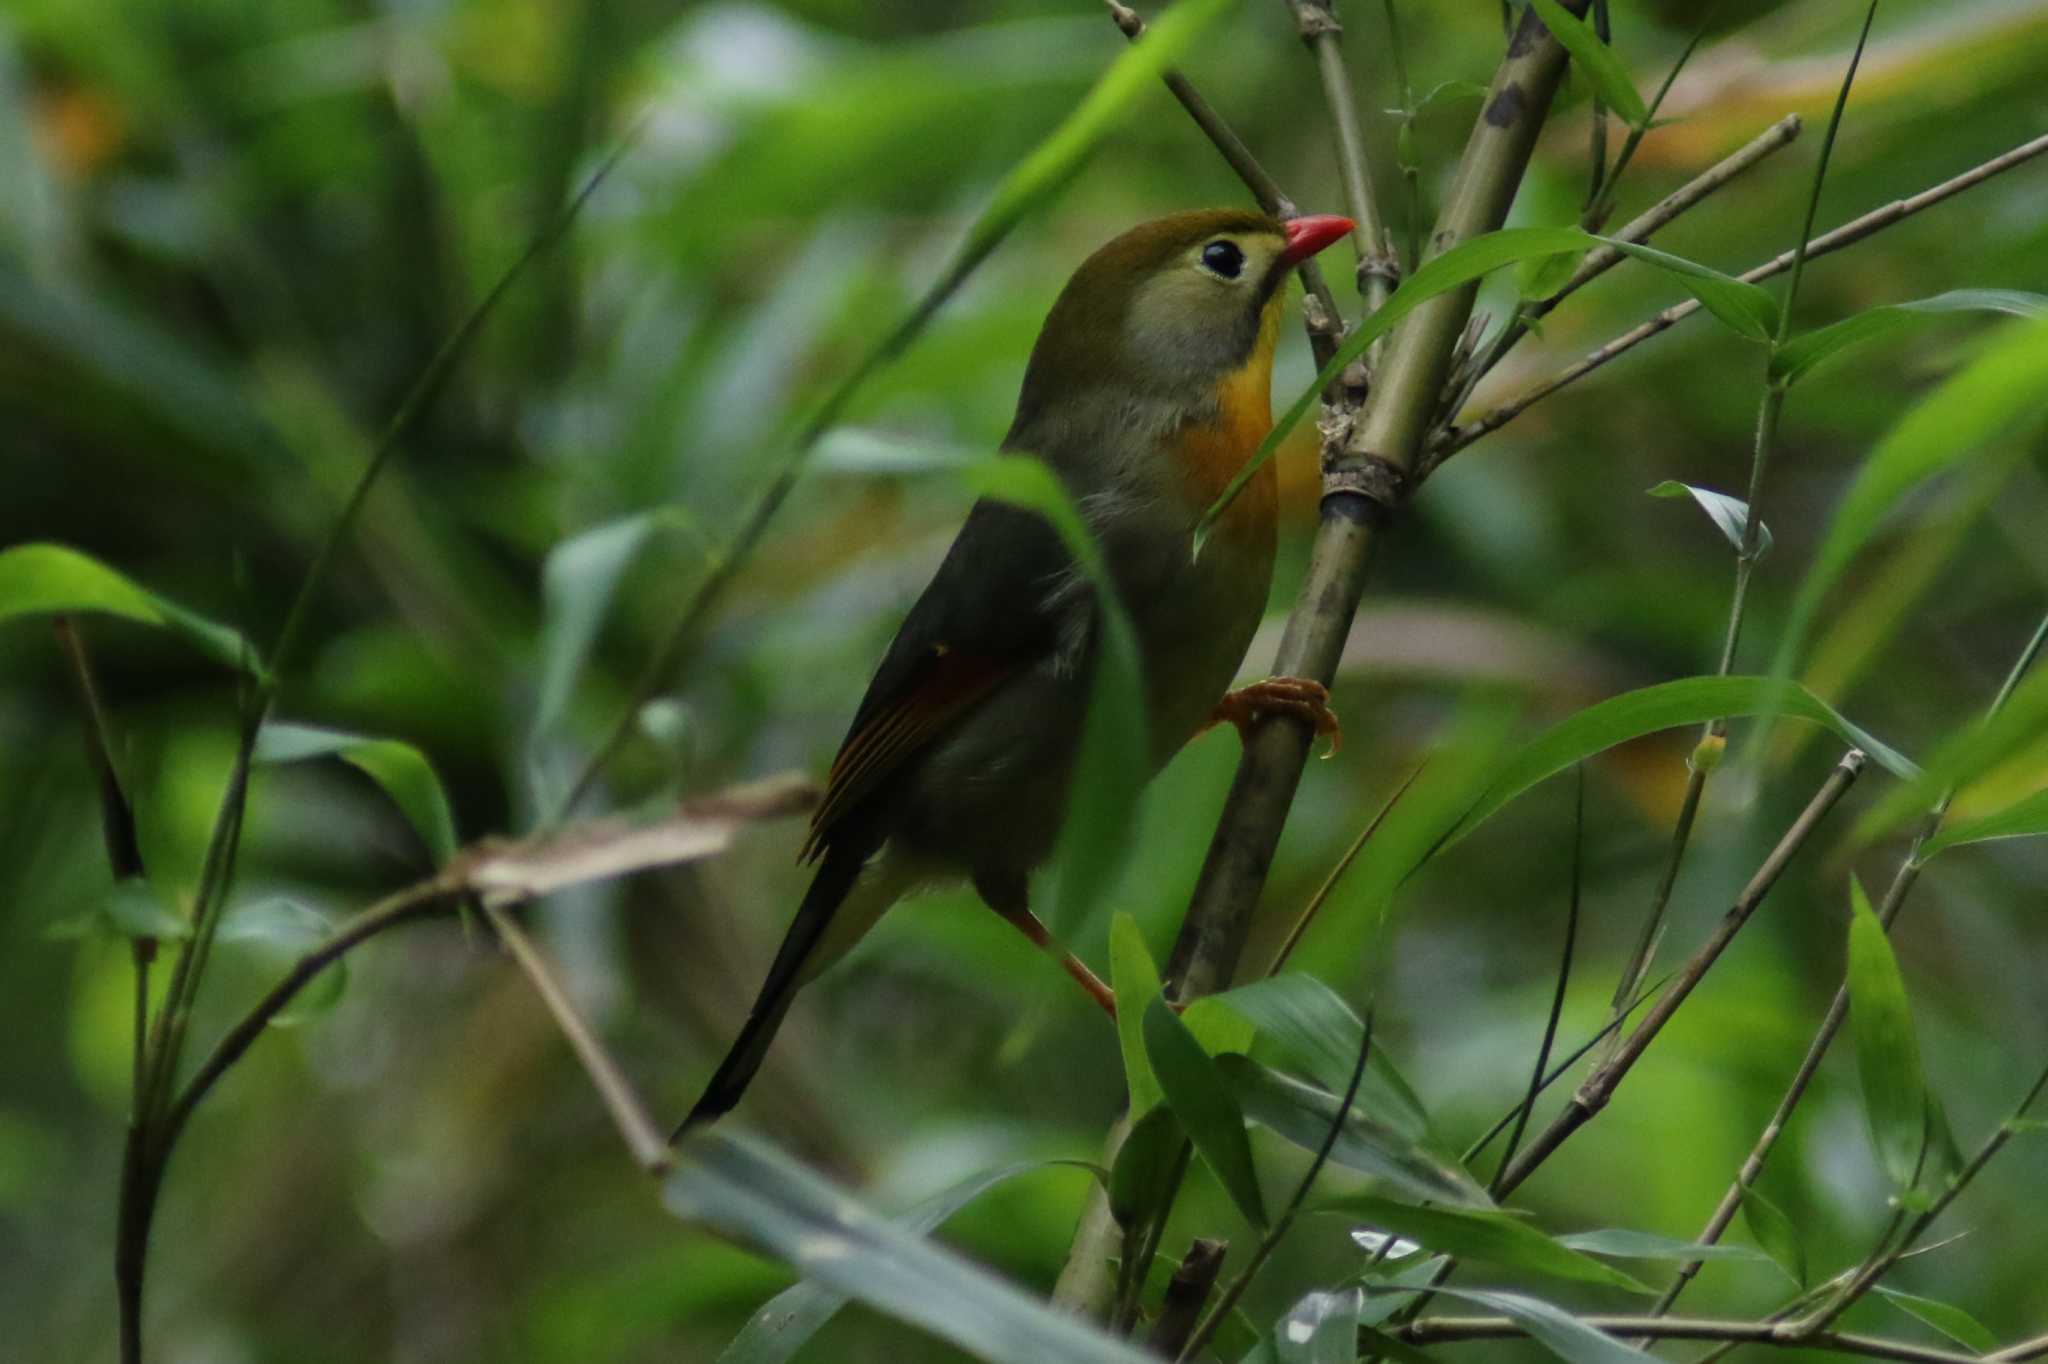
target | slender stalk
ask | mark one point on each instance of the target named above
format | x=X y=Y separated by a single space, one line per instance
x=1444 y=1330
x=1378 y=270
x=1599 y=1087
x=1564 y=976
x=1456 y=438
x=1285 y=1222
x=1838 y=1008
x=638 y=1131
x=1315 y=901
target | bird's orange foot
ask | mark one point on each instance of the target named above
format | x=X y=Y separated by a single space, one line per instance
x=1305 y=699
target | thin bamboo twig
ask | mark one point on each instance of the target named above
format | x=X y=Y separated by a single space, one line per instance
x=1457 y=437
x=1599 y=1087
x=638 y=1131
x=1378 y=270
x=1444 y=1330
x=1564 y=977
x=1838 y=1008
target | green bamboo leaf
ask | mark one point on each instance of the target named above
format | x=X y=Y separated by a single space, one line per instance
x=1775 y=1233
x=1746 y=309
x=578 y=580
x=1312 y=1025
x=1974 y=749
x=1205 y=1106
x=1953 y=1322
x=787 y=1321
x=1463 y=264
x=285 y=929
x=136 y=909
x=402 y=770
x=1666 y=705
x=48 y=580
x=1303 y=1113
x=1596 y=60
x=1800 y=355
x=1624 y=1244
x=756 y=1195
x=1887 y=1052
x=1115 y=755
x=1322 y=1328
x=1136 y=982
x=1998 y=394
x=1731 y=514
x=1557 y=1330
x=2024 y=818
x=1141 y=1182
x=1481 y=1234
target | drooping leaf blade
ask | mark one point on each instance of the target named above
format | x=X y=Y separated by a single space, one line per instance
x=1774 y=1232
x=1596 y=60
x=1730 y=514
x=1199 y=1097
x=2024 y=818
x=754 y=1194
x=1887 y=1051
x=400 y=769
x=1136 y=982
x=47 y=580
x=1481 y=1234
x=1971 y=751
x=1952 y=1321
x=1800 y=355
x=1748 y=310
x=1625 y=1244
x=1142 y=1179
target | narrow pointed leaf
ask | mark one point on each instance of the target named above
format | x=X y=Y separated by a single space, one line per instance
x=1302 y=1114
x=47 y=580
x=787 y=1321
x=1953 y=1322
x=1731 y=514
x=1624 y=1244
x=1596 y=60
x=1482 y=1234
x=1141 y=1181
x=1746 y=309
x=1887 y=1052
x=400 y=769
x=1205 y=1106
x=1322 y=1328
x=578 y=580
x=1666 y=705
x=756 y=1195
x=1775 y=1233
x=1136 y=982
x=2024 y=818
x=1557 y=1330
x=1800 y=355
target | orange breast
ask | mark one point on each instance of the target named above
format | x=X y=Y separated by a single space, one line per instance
x=1214 y=454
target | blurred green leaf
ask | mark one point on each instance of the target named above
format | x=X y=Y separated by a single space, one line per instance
x=402 y=770
x=1887 y=1052
x=1557 y=1330
x=1642 y=1245
x=1775 y=1233
x=1322 y=1328
x=1801 y=354
x=137 y=909
x=1136 y=982
x=46 y=580
x=1997 y=394
x=1115 y=757
x=1953 y=1322
x=787 y=1321
x=286 y=929
x=1666 y=705
x=1302 y=1114
x=578 y=579
x=1316 y=1029
x=753 y=1193
x=1731 y=514
x=2024 y=818
x=1455 y=268
x=1973 y=749
x=1486 y=1234
x=1746 y=309
x=1142 y=1180
x=1203 y=1102
x=1595 y=60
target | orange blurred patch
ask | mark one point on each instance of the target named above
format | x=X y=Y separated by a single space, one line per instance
x=76 y=130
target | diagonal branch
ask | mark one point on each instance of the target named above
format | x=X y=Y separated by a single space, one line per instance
x=1443 y=1330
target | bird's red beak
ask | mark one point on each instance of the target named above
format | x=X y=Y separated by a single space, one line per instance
x=1306 y=236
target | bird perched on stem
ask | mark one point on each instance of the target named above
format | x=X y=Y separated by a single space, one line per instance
x=1149 y=388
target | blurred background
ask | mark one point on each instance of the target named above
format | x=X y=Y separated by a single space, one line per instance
x=231 y=236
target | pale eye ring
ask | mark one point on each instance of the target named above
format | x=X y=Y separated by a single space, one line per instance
x=1223 y=258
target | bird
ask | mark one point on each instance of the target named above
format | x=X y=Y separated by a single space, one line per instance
x=1147 y=391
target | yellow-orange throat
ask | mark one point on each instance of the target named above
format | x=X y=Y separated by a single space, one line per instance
x=1213 y=454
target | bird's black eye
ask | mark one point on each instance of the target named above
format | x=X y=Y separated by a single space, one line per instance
x=1223 y=258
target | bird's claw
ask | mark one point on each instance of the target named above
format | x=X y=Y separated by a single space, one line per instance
x=1303 y=698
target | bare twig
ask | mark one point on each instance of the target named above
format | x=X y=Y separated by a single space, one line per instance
x=1599 y=1087
x=641 y=1136
x=1443 y=1330
x=1458 y=437
x=1315 y=901
x=1378 y=270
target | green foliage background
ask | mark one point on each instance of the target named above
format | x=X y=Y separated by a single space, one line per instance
x=233 y=234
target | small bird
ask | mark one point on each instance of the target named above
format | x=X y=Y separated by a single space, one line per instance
x=1149 y=388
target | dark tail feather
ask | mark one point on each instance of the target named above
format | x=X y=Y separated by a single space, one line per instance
x=828 y=889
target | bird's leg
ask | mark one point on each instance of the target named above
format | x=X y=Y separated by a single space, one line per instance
x=1306 y=700
x=1007 y=896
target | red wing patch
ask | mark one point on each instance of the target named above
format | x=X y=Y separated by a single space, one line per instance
x=947 y=685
